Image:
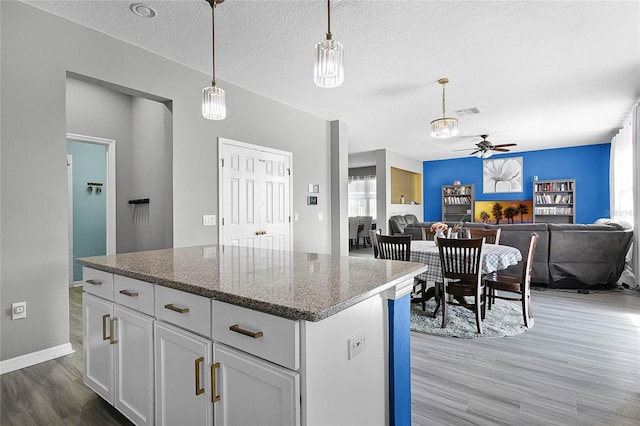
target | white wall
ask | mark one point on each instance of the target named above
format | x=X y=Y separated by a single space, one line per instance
x=37 y=51
x=386 y=159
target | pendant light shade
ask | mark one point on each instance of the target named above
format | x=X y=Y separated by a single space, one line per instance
x=329 y=71
x=444 y=127
x=213 y=104
x=213 y=99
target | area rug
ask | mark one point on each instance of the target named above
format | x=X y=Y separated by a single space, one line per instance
x=504 y=319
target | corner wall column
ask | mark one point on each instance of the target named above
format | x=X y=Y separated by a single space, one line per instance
x=339 y=188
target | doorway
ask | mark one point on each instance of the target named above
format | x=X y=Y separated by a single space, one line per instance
x=255 y=195
x=91 y=189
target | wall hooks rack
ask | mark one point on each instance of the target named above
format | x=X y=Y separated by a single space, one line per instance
x=98 y=186
x=139 y=201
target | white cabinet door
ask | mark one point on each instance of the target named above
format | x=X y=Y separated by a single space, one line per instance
x=253 y=391
x=183 y=380
x=134 y=365
x=98 y=351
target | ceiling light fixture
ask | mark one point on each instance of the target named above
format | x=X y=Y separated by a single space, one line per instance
x=444 y=127
x=484 y=154
x=213 y=103
x=329 y=71
x=142 y=10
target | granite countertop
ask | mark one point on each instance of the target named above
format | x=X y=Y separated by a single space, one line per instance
x=296 y=285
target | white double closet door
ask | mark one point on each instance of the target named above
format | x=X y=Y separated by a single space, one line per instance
x=255 y=196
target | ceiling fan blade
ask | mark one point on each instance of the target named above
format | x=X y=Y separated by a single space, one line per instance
x=476 y=151
x=464 y=149
x=505 y=144
x=500 y=149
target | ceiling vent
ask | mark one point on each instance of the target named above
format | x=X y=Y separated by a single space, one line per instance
x=468 y=111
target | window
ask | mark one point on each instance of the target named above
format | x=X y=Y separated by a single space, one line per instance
x=362 y=196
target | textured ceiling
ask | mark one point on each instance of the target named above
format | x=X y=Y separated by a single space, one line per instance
x=544 y=74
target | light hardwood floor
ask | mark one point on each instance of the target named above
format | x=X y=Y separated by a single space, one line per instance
x=578 y=365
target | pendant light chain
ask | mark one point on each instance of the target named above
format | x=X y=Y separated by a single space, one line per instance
x=443 y=106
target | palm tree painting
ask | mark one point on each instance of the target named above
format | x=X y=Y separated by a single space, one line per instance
x=498 y=211
x=502 y=175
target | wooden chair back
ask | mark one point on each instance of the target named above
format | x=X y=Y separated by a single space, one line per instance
x=491 y=236
x=394 y=247
x=460 y=259
x=353 y=227
x=527 y=267
x=373 y=236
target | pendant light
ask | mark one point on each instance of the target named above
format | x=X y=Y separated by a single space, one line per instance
x=328 y=71
x=213 y=104
x=444 y=127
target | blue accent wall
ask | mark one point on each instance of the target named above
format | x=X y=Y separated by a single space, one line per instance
x=588 y=165
x=89 y=208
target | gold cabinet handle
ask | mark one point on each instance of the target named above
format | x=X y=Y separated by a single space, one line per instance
x=94 y=282
x=253 y=334
x=129 y=293
x=104 y=327
x=178 y=310
x=214 y=393
x=112 y=322
x=199 y=390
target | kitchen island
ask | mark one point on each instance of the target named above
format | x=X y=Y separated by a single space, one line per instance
x=234 y=335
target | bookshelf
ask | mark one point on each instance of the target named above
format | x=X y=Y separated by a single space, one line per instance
x=554 y=201
x=457 y=203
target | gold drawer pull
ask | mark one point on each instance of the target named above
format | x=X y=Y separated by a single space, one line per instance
x=94 y=282
x=199 y=390
x=178 y=310
x=253 y=334
x=112 y=321
x=214 y=393
x=129 y=293
x=104 y=327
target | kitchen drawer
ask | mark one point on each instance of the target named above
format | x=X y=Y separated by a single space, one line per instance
x=98 y=282
x=134 y=294
x=186 y=310
x=278 y=343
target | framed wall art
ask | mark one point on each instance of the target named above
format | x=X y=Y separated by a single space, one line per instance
x=502 y=175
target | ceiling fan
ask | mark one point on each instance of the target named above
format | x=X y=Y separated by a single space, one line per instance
x=484 y=147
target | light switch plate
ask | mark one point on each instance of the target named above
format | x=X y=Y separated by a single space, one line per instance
x=209 y=220
x=18 y=310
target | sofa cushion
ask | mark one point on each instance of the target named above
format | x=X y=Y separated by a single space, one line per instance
x=397 y=224
x=411 y=219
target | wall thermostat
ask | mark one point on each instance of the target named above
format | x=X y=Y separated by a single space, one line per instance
x=312 y=200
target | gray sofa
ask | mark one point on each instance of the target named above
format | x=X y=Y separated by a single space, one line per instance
x=567 y=255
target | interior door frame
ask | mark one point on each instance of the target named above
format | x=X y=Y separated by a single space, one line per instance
x=231 y=142
x=110 y=190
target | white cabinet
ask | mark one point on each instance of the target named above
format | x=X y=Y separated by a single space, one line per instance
x=183 y=370
x=253 y=391
x=97 y=315
x=118 y=357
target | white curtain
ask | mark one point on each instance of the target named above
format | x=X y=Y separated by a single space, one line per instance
x=621 y=174
x=362 y=196
x=635 y=140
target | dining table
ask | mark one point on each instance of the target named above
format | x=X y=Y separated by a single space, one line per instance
x=495 y=257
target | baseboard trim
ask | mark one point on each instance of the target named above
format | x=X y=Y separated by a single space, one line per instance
x=35 y=358
x=77 y=283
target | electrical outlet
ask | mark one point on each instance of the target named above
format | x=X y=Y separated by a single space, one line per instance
x=18 y=310
x=356 y=343
x=209 y=220
x=295 y=217
x=319 y=216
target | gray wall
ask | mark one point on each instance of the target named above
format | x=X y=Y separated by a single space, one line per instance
x=37 y=50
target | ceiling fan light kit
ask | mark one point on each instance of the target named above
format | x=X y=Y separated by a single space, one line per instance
x=444 y=127
x=329 y=70
x=213 y=98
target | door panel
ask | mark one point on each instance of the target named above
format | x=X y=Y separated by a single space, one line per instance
x=255 y=197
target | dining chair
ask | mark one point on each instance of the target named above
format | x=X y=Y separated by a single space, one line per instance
x=394 y=247
x=373 y=237
x=519 y=285
x=491 y=236
x=460 y=260
x=365 y=223
x=398 y=247
x=353 y=231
